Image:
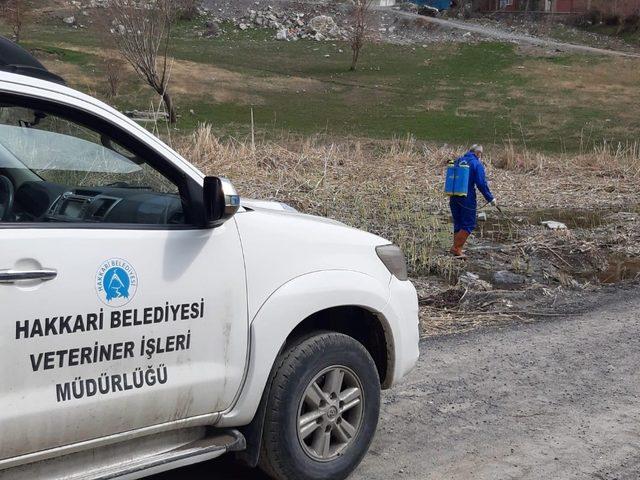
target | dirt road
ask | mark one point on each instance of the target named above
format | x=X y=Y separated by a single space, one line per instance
x=499 y=34
x=554 y=400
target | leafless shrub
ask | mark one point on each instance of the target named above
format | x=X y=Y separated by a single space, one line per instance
x=515 y=158
x=188 y=9
x=463 y=8
x=360 y=27
x=16 y=13
x=630 y=23
x=142 y=32
x=114 y=73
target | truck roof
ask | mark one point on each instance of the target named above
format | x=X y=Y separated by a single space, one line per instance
x=15 y=59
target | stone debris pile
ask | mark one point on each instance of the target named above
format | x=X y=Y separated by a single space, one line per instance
x=292 y=26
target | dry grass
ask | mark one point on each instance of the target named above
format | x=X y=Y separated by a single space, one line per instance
x=391 y=188
x=394 y=188
x=617 y=160
x=603 y=80
x=606 y=87
x=193 y=79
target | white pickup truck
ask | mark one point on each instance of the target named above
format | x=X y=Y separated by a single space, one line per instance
x=151 y=320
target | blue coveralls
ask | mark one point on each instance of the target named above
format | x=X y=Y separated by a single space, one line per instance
x=464 y=209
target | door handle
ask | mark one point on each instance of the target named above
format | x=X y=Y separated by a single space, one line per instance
x=13 y=276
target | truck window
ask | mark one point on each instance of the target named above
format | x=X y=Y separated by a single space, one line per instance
x=64 y=172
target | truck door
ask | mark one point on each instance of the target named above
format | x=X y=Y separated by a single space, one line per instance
x=116 y=312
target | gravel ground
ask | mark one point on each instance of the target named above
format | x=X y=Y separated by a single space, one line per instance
x=441 y=29
x=495 y=32
x=555 y=400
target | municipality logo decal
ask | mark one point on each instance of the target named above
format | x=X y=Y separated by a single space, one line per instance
x=116 y=282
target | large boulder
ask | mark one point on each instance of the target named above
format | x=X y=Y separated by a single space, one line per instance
x=505 y=278
x=325 y=25
x=473 y=282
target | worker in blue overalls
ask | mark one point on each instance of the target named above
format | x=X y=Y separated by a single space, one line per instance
x=464 y=209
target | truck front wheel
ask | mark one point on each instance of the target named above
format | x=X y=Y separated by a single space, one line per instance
x=323 y=410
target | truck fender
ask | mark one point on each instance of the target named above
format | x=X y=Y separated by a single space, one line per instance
x=283 y=311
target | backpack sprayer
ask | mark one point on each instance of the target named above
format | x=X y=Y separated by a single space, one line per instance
x=457 y=184
x=457 y=178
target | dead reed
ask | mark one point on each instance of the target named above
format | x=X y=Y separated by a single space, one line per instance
x=393 y=188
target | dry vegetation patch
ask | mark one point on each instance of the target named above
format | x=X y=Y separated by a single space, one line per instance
x=394 y=188
x=613 y=82
x=74 y=74
x=190 y=79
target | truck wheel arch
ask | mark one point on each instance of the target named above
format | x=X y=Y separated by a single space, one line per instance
x=367 y=327
x=313 y=302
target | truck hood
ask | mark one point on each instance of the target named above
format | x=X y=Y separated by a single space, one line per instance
x=255 y=204
x=283 y=208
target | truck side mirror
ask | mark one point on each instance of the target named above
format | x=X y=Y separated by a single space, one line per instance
x=221 y=201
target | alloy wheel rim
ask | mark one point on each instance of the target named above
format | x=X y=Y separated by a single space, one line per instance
x=330 y=413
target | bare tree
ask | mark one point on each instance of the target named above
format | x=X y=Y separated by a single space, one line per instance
x=359 y=29
x=142 y=32
x=16 y=13
x=114 y=70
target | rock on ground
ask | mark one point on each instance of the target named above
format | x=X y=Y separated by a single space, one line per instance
x=292 y=25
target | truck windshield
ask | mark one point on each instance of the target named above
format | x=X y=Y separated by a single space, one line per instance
x=58 y=150
x=63 y=152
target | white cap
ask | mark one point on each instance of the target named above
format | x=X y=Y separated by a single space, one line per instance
x=477 y=148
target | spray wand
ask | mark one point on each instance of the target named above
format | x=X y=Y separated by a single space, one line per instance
x=506 y=217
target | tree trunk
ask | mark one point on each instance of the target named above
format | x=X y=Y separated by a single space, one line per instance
x=354 y=60
x=171 y=108
x=17 y=23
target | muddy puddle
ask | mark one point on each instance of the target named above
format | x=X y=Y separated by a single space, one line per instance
x=506 y=226
x=498 y=230
x=620 y=269
x=510 y=227
x=572 y=218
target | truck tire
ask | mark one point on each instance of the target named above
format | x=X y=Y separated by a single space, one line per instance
x=323 y=410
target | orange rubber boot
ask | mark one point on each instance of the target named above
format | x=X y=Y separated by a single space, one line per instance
x=459 y=240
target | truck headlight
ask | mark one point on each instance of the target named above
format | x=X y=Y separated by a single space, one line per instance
x=394 y=260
